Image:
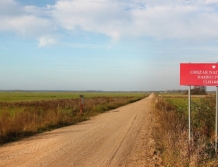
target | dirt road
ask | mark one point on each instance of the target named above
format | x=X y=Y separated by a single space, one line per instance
x=120 y=137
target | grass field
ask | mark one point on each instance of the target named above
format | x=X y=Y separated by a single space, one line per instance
x=35 y=96
x=26 y=113
x=179 y=100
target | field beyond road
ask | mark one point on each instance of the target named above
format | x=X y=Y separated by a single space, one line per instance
x=120 y=137
x=13 y=96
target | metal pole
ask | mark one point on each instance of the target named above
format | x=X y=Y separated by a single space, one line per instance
x=189 y=114
x=216 y=119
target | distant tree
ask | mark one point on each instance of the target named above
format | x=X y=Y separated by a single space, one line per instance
x=198 y=90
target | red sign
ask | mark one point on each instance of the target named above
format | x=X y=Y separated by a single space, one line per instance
x=200 y=74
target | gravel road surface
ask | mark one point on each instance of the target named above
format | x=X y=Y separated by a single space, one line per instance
x=120 y=137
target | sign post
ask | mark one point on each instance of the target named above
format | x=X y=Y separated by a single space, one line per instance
x=189 y=114
x=200 y=74
x=216 y=119
x=81 y=103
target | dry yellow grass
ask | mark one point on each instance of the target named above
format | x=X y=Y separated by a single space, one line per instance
x=19 y=119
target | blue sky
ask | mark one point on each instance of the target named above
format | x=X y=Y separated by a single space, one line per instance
x=110 y=45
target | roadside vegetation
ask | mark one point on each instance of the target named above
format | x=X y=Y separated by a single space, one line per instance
x=21 y=119
x=19 y=96
x=171 y=131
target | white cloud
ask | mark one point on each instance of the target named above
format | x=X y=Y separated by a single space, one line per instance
x=26 y=21
x=30 y=26
x=213 y=2
x=9 y=7
x=45 y=41
x=106 y=17
x=177 y=19
x=181 y=22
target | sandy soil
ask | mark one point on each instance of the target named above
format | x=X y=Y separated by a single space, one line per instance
x=120 y=137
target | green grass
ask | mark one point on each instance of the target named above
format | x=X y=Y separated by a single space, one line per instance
x=35 y=96
x=179 y=100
